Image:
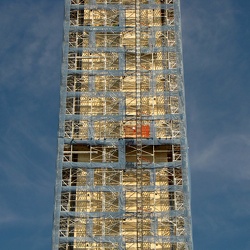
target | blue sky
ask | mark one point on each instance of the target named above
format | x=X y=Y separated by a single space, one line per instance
x=216 y=38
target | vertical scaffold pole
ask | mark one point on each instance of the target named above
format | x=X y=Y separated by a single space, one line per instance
x=139 y=159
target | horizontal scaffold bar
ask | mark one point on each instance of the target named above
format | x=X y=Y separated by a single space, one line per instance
x=117 y=94
x=130 y=188
x=120 y=6
x=122 y=117
x=122 y=72
x=122 y=166
x=123 y=49
x=122 y=215
x=115 y=29
x=120 y=94
x=122 y=141
x=113 y=239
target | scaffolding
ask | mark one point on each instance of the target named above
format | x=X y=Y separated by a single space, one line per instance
x=122 y=168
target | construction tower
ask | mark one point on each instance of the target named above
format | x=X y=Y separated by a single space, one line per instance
x=122 y=169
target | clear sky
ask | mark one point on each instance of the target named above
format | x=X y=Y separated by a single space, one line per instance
x=216 y=40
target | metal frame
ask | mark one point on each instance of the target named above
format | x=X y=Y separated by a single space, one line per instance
x=122 y=168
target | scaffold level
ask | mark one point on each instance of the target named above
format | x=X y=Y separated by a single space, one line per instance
x=122 y=169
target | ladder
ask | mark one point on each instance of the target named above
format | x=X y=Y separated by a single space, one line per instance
x=138 y=120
